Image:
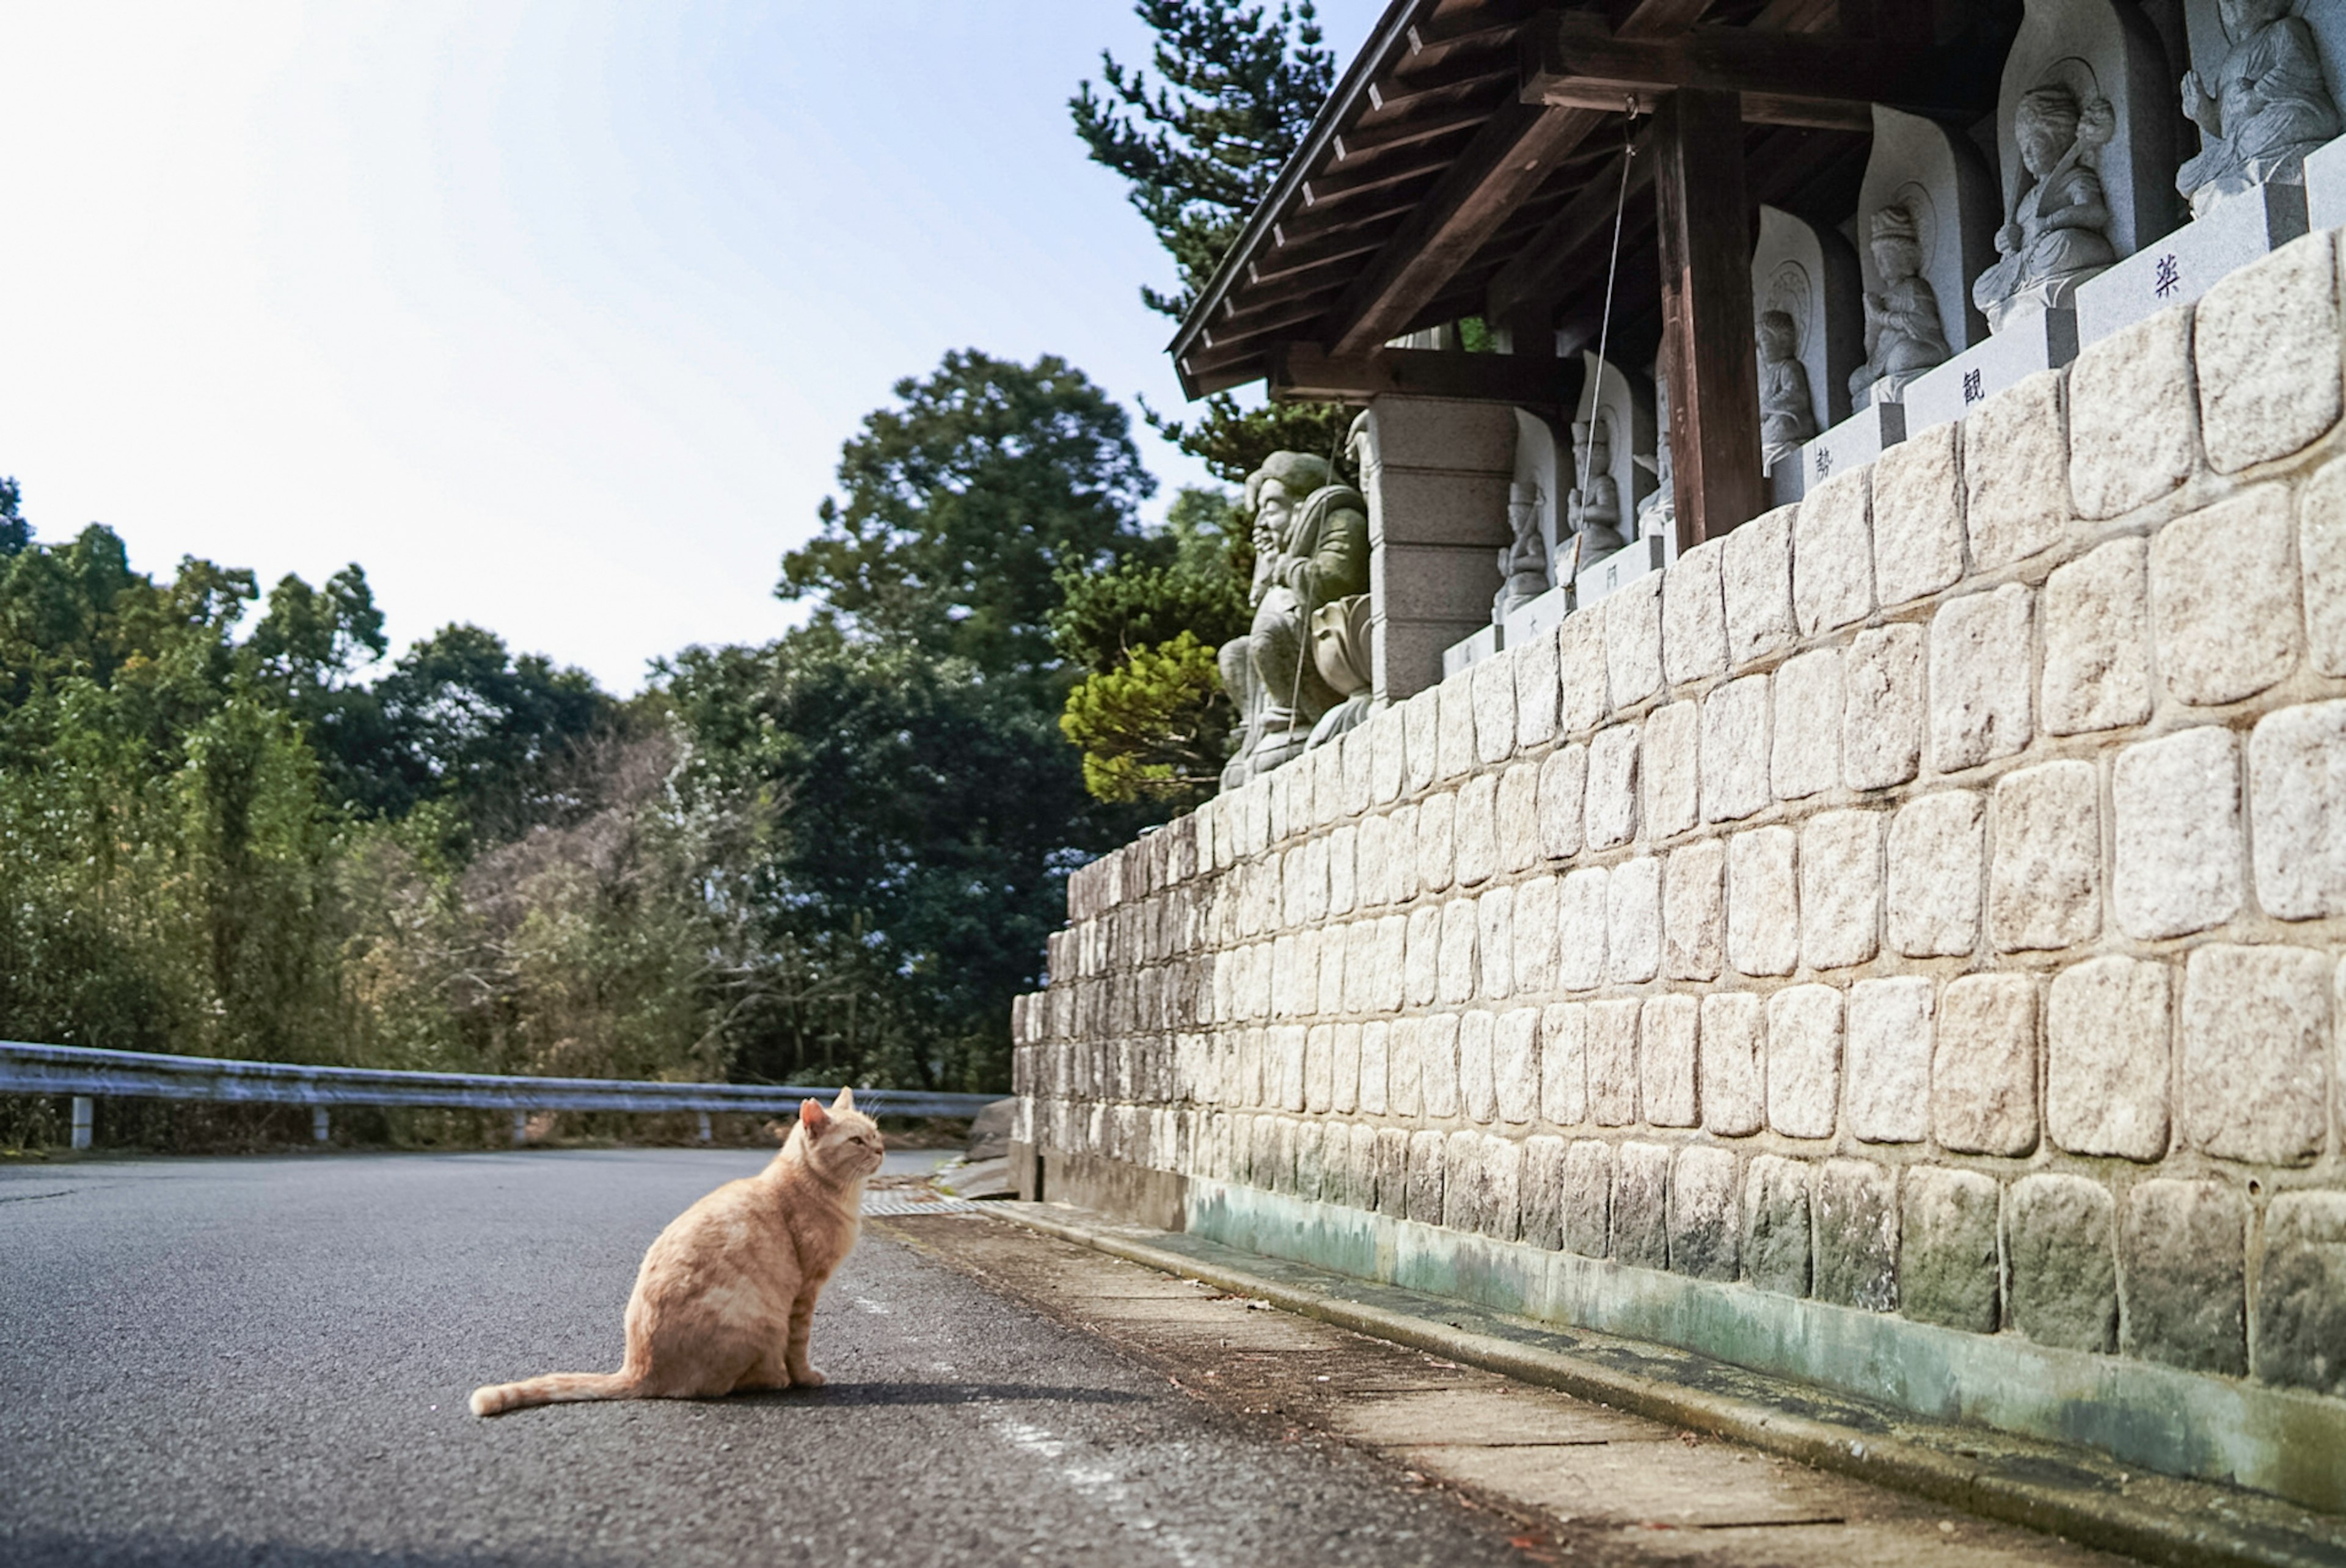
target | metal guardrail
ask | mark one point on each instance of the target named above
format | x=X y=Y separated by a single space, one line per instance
x=87 y=1074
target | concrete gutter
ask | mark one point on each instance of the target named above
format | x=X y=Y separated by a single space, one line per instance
x=2074 y=1492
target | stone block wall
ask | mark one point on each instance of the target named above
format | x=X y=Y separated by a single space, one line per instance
x=1912 y=922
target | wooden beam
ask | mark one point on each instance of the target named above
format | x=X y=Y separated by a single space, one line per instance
x=1542 y=260
x=1305 y=372
x=1708 y=352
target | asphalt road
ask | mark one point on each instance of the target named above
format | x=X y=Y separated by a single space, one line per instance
x=265 y=1361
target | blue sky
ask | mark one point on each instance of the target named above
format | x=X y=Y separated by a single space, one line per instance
x=551 y=314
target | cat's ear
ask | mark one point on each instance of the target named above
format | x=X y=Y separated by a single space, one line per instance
x=845 y=1103
x=813 y=1118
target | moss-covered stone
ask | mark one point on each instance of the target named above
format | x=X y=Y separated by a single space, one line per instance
x=1947 y=1264
x=1704 y=1223
x=2301 y=1293
x=1641 y=1207
x=1776 y=1225
x=1856 y=1228
x=2185 y=1298
x=1588 y=1198
x=2064 y=1282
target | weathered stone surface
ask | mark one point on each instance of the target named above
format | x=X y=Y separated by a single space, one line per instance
x=1633 y=641
x=1477 y=1088
x=1763 y=926
x=1918 y=520
x=1393 y=1171
x=1405 y=1067
x=2043 y=888
x=2301 y=1293
x=1356 y=748
x=1344 y=1090
x=1670 y=766
x=1984 y=1069
x=1588 y=1198
x=1641 y=1207
x=2181 y=1249
x=2177 y=803
x=1980 y=668
x=1733 y=1103
x=1666 y=1033
x=1937 y=865
x=1890 y=1048
x=2297 y=795
x=1426 y=1150
x=2064 y=1282
x=1499 y=1214
x=1422 y=979
x=1583 y=673
x=1840 y=889
x=1613 y=1061
x=1495 y=944
x=1734 y=749
x=1494 y=693
x=2322 y=553
x=1832 y=553
x=1694 y=911
x=2106 y=1027
x=1613 y=786
x=2097 y=640
x=1563 y=795
x=1537 y=691
x=2017 y=472
x=1805 y=759
x=1343 y=869
x=1475 y=833
x=1401 y=858
x=2265 y=347
x=1580 y=928
x=1387 y=972
x=1454 y=732
x=1514 y=1064
x=1376 y=1036
x=1633 y=921
x=1439 y=1074
x=1544 y=1192
x=1456 y=972
x=2133 y=426
x=1855 y=1216
x=1706 y=1220
x=1388 y=770
x=1947 y=1263
x=1882 y=707
x=1776 y=1225
x=1755 y=581
x=1804 y=1061
x=2256 y=1035
x=1536 y=935
x=1310 y=1166
x=2224 y=598
x=1563 y=1063
x=1517 y=811
x=1694 y=616
x=1437 y=828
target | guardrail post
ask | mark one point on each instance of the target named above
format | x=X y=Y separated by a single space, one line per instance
x=704 y=1126
x=321 y=1125
x=521 y=1128
x=84 y=1111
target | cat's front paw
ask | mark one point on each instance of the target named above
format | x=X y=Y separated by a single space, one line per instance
x=807 y=1377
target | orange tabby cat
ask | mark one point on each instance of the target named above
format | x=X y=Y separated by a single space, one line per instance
x=726 y=1296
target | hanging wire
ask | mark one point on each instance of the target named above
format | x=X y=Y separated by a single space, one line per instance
x=1604 y=322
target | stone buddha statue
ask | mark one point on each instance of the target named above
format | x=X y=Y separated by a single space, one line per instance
x=2265 y=109
x=1788 y=415
x=1523 y=564
x=1311 y=548
x=1903 y=334
x=1592 y=511
x=2059 y=232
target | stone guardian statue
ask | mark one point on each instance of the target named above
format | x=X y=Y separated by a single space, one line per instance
x=2265 y=109
x=1903 y=334
x=2058 y=234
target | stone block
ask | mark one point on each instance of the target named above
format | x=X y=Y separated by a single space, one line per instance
x=1405 y=1067
x=1832 y=553
x=1319 y=1068
x=1537 y=690
x=1311 y=1163
x=2265 y=347
x=1421 y=750
x=1477 y=1069
x=1670 y=766
x=1517 y=810
x=2107 y=1022
x=1515 y=1064
x=1392 y=1172
x=1980 y=668
x=1437 y=837
x=2224 y=598
x=1581 y=905
x=1706 y=1219
x=1388 y=769
x=1361 y=1169
x=1289 y=1047
x=2097 y=640
x=1776 y=1225
x=1735 y=750
x=2064 y=1275
x=2322 y=554
x=2133 y=427
x=1805 y=759
x=1840 y=889
x=1437 y=1065
x=1633 y=921
x=2301 y=1293
x=1456 y=975
x=1641 y=1197
x=1474 y=834
x=1563 y=1063
x=1694 y=911
x=1343 y=869
x=1422 y=979
x=2017 y=473
x=1983 y=1068
x=2257 y=1039
x=1563 y=801
x=1804 y=1077
x=1732 y=1070
x=1612 y=810
x=1454 y=736
x=1882 y=707
x=1376 y=1037
x=1588 y=1198
x=1499 y=1214
x=1492 y=691
x=1854 y=1213
x=1918 y=518
x=1426 y=1157
x=1694 y=616
x=1582 y=672
x=1388 y=969
x=1890 y=1032
x=1947 y=1262
x=1763 y=927
x=1633 y=641
x=1534 y=923
x=2176 y=802
x=1937 y=865
x=1756 y=582
x=1544 y=1192
x=1613 y=1061
x=1667 y=1032
x=2044 y=886
x=2296 y=804
x=1356 y=748
x=2181 y=1248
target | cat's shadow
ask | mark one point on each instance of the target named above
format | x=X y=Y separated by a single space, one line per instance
x=897 y=1393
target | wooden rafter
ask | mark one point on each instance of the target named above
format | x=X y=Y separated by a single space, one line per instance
x=1304 y=370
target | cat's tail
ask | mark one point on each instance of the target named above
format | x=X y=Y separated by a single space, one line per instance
x=555 y=1387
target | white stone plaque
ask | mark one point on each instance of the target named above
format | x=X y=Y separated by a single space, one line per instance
x=1544 y=614
x=2186 y=264
x=1854 y=442
x=1473 y=650
x=2044 y=341
x=1622 y=567
x=2325 y=186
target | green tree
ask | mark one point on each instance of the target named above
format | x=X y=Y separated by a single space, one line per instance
x=1156 y=728
x=14 y=532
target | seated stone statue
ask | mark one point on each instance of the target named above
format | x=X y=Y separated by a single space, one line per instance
x=1523 y=564
x=1311 y=547
x=2059 y=232
x=2266 y=109
x=1903 y=335
x=1340 y=649
x=1788 y=415
x=1592 y=511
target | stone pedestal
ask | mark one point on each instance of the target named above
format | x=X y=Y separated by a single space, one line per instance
x=1544 y=614
x=2325 y=186
x=1436 y=472
x=2045 y=341
x=1854 y=442
x=1622 y=567
x=2184 y=265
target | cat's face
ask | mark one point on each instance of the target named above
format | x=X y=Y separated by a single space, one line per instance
x=842 y=1141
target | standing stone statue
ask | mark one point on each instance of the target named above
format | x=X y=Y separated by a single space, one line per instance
x=1593 y=510
x=1523 y=564
x=2058 y=235
x=2265 y=109
x=1786 y=412
x=1311 y=547
x=1903 y=334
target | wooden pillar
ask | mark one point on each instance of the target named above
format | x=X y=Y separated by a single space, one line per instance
x=1707 y=345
